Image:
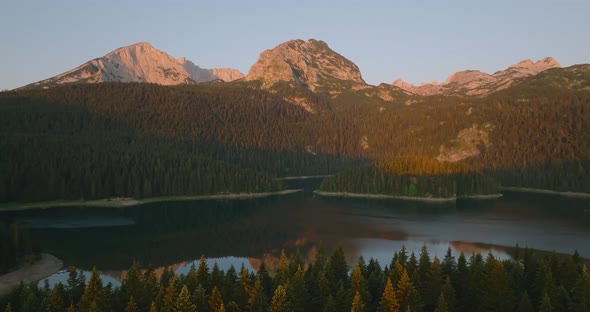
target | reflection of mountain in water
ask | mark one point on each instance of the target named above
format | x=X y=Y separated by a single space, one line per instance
x=163 y=234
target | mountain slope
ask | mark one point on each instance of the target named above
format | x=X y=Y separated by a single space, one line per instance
x=475 y=82
x=311 y=64
x=140 y=62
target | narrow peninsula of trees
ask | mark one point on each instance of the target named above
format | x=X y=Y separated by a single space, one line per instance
x=414 y=177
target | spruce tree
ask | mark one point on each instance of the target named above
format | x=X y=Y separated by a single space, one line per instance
x=388 y=301
x=525 y=304
x=183 y=302
x=279 y=300
x=357 y=303
x=407 y=294
x=581 y=292
x=297 y=294
x=203 y=277
x=217 y=276
x=93 y=296
x=282 y=276
x=215 y=301
x=170 y=295
x=545 y=305
x=131 y=306
x=57 y=299
x=441 y=304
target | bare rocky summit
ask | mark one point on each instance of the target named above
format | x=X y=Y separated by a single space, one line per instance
x=475 y=82
x=139 y=62
x=310 y=64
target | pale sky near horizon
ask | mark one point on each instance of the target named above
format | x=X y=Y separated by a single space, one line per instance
x=414 y=40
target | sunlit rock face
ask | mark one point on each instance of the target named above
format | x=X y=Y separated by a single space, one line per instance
x=310 y=64
x=140 y=62
x=475 y=82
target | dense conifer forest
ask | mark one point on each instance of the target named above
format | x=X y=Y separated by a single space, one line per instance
x=129 y=139
x=409 y=283
x=412 y=176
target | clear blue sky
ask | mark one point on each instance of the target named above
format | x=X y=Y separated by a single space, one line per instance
x=415 y=40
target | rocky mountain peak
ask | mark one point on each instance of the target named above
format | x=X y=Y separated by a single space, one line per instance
x=475 y=82
x=308 y=63
x=139 y=62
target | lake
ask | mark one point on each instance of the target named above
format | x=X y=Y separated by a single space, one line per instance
x=235 y=232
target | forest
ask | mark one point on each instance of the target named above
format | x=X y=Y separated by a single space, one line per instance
x=527 y=282
x=412 y=176
x=132 y=139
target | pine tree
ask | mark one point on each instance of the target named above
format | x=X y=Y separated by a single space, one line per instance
x=545 y=305
x=203 y=277
x=131 y=306
x=232 y=306
x=183 y=302
x=449 y=264
x=170 y=295
x=215 y=301
x=330 y=305
x=244 y=291
x=525 y=304
x=93 y=296
x=339 y=266
x=279 y=300
x=388 y=300
x=57 y=299
x=191 y=281
x=395 y=272
x=449 y=292
x=257 y=302
x=8 y=307
x=297 y=294
x=358 y=284
x=441 y=305
x=357 y=303
x=407 y=294
x=581 y=292
x=282 y=275
x=133 y=286
x=216 y=276
x=265 y=280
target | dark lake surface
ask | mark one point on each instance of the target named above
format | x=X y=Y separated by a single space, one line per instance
x=232 y=232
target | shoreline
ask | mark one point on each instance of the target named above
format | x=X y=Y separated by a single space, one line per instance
x=483 y=196
x=542 y=191
x=383 y=196
x=412 y=198
x=129 y=202
x=37 y=271
x=306 y=177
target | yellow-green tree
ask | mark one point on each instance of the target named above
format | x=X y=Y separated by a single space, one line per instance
x=388 y=301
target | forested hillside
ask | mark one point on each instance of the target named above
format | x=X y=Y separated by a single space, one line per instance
x=119 y=139
x=54 y=151
x=409 y=283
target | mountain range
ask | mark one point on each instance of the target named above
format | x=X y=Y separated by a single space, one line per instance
x=310 y=64
x=138 y=122
x=139 y=62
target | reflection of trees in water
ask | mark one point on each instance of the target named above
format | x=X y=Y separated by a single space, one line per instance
x=170 y=233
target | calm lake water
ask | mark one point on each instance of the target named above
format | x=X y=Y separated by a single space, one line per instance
x=236 y=232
